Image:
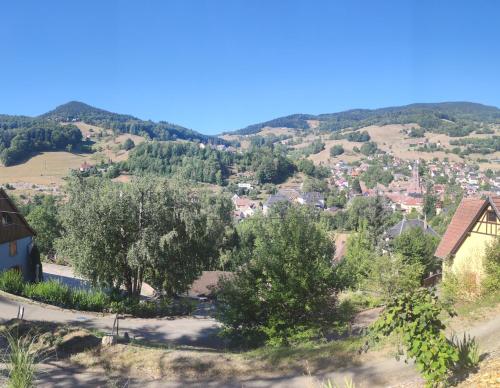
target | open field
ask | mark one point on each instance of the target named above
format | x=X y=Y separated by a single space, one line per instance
x=47 y=168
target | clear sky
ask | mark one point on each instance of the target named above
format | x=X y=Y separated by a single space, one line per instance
x=215 y=65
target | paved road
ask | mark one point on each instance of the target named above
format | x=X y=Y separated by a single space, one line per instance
x=65 y=274
x=181 y=331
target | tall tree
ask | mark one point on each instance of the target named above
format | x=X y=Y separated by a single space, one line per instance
x=121 y=234
x=288 y=279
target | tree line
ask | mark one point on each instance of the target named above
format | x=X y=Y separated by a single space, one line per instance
x=20 y=138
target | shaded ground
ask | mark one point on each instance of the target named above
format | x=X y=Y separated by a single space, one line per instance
x=78 y=360
x=65 y=275
x=189 y=331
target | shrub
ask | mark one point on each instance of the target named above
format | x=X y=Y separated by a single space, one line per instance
x=492 y=267
x=51 y=292
x=415 y=318
x=462 y=286
x=390 y=276
x=336 y=150
x=11 y=281
x=90 y=301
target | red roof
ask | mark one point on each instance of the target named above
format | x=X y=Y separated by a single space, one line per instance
x=464 y=218
x=242 y=202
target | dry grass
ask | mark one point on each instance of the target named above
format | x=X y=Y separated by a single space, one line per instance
x=47 y=168
x=82 y=348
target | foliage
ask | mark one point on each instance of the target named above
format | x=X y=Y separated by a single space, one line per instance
x=185 y=160
x=430 y=202
x=369 y=148
x=491 y=282
x=461 y=286
x=313 y=184
x=415 y=318
x=416 y=132
x=389 y=276
x=128 y=144
x=417 y=247
x=21 y=360
x=315 y=147
x=54 y=292
x=43 y=218
x=370 y=213
x=336 y=150
x=292 y=121
x=376 y=174
x=271 y=168
x=478 y=145
x=357 y=262
x=359 y=137
x=468 y=352
x=162 y=232
x=307 y=167
x=21 y=137
x=11 y=281
x=284 y=292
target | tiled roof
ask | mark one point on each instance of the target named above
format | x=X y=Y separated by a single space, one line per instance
x=405 y=225
x=463 y=219
x=205 y=284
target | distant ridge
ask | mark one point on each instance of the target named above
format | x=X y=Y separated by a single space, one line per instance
x=123 y=123
x=428 y=115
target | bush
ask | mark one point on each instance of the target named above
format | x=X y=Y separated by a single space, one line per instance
x=149 y=309
x=58 y=294
x=390 y=276
x=492 y=267
x=415 y=318
x=464 y=286
x=51 y=292
x=336 y=150
x=11 y=281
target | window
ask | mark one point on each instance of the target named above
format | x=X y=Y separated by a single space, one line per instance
x=491 y=216
x=13 y=248
x=6 y=218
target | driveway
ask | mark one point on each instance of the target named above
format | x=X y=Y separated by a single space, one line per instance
x=66 y=275
x=190 y=331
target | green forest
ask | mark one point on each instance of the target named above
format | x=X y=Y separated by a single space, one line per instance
x=21 y=137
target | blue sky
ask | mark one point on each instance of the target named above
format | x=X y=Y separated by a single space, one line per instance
x=215 y=65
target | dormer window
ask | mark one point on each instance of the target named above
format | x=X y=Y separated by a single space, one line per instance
x=6 y=218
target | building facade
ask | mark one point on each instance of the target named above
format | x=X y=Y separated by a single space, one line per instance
x=16 y=239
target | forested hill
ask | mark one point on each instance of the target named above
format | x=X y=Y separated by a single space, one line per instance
x=452 y=118
x=122 y=123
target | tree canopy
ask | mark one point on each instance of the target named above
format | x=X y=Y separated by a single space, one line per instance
x=149 y=230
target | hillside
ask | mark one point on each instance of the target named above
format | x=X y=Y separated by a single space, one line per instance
x=453 y=118
x=122 y=123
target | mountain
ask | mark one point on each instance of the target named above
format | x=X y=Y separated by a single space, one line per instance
x=122 y=123
x=452 y=118
x=79 y=111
